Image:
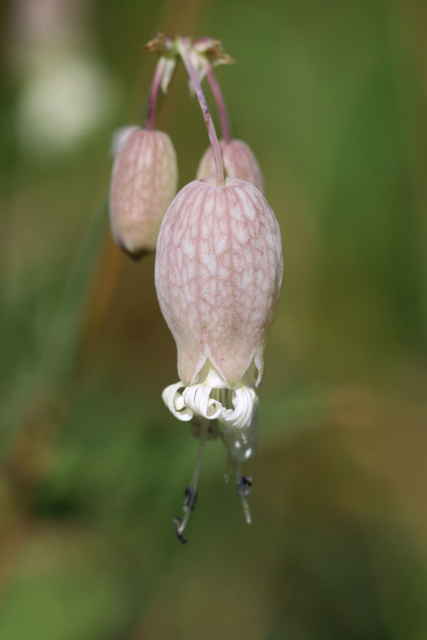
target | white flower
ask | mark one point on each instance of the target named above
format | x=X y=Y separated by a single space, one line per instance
x=212 y=398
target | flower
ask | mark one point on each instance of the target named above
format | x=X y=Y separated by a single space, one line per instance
x=239 y=162
x=219 y=268
x=144 y=181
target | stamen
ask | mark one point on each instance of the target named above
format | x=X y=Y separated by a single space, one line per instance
x=191 y=491
x=244 y=487
x=177 y=524
x=196 y=425
x=227 y=469
x=244 y=483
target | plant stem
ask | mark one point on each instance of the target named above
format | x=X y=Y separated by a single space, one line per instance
x=220 y=102
x=186 y=57
x=154 y=92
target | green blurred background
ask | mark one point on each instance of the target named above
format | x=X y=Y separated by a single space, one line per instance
x=332 y=98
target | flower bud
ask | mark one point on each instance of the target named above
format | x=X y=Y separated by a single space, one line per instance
x=239 y=162
x=144 y=181
x=219 y=267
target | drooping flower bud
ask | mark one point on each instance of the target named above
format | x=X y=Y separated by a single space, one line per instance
x=239 y=162
x=144 y=181
x=219 y=267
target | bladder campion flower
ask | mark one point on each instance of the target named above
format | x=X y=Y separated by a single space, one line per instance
x=219 y=272
x=145 y=170
x=144 y=181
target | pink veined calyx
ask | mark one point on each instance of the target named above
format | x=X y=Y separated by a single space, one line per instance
x=218 y=273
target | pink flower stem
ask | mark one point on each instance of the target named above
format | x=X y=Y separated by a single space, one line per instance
x=154 y=92
x=220 y=102
x=186 y=57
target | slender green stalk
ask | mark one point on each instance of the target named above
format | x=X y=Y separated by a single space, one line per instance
x=186 y=56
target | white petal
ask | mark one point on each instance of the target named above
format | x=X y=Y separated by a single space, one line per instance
x=197 y=398
x=242 y=444
x=240 y=423
x=175 y=402
x=243 y=400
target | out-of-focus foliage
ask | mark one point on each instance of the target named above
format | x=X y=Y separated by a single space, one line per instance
x=332 y=99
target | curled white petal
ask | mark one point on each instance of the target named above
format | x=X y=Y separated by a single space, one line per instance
x=173 y=399
x=213 y=399
x=243 y=443
x=197 y=398
x=243 y=400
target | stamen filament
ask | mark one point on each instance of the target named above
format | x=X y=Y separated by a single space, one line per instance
x=244 y=484
x=227 y=469
x=191 y=491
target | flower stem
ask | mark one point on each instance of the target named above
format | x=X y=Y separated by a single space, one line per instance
x=220 y=102
x=154 y=92
x=186 y=57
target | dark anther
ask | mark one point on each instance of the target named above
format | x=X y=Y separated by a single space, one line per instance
x=190 y=499
x=244 y=486
x=213 y=431
x=177 y=524
x=196 y=428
